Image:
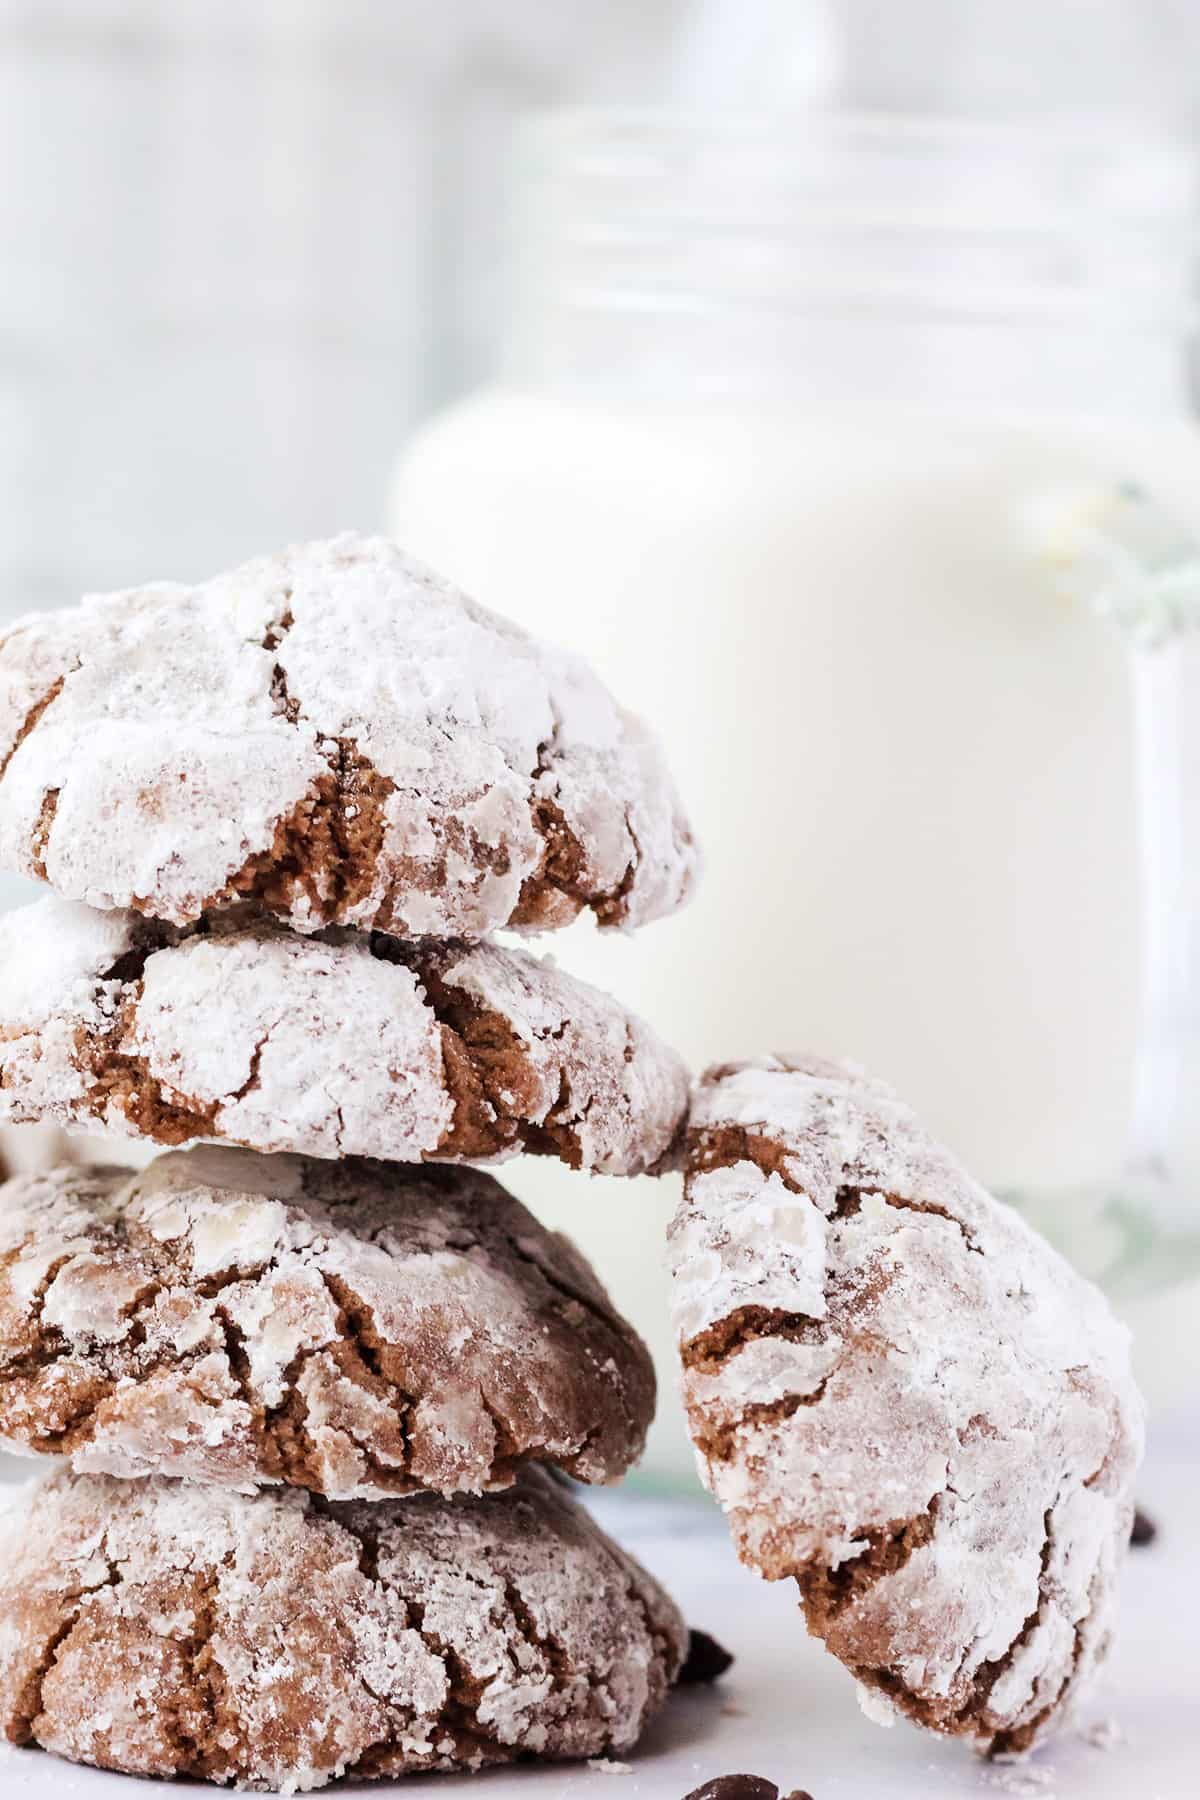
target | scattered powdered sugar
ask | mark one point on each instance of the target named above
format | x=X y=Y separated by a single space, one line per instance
x=1103 y=1734
x=1033 y=1782
x=334 y=1045
x=273 y=1640
x=360 y=1329
x=903 y=1397
x=340 y=733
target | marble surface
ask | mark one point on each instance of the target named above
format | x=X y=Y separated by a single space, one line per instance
x=786 y=1711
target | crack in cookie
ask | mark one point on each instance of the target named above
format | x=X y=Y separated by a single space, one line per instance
x=33 y=717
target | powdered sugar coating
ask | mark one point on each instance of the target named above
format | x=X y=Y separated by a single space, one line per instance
x=359 y=1329
x=337 y=1045
x=339 y=733
x=161 y=1629
x=902 y=1397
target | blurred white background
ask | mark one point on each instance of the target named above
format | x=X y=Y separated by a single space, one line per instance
x=246 y=244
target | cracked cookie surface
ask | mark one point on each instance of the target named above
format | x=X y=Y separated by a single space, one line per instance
x=278 y=1641
x=354 y=1328
x=338 y=735
x=347 y=1044
x=903 y=1398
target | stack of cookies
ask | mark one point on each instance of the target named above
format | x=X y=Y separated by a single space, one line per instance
x=308 y=1378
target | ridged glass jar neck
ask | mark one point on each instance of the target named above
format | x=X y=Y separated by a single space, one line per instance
x=837 y=259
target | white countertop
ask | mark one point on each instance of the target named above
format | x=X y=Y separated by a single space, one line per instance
x=787 y=1711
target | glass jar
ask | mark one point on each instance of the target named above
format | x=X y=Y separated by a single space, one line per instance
x=858 y=455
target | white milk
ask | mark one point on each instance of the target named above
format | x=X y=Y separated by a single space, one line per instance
x=909 y=757
x=907 y=740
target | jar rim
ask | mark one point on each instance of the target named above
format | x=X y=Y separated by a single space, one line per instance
x=1141 y=173
x=1070 y=213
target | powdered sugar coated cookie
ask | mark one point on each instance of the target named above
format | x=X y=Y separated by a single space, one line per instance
x=338 y=735
x=361 y=1329
x=275 y=1641
x=343 y=1044
x=903 y=1398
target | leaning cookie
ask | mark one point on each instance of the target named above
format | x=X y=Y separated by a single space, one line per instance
x=338 y=735
x=348 y=1045
x=903 y=1398
x=360 y=1329
x=278 y=1642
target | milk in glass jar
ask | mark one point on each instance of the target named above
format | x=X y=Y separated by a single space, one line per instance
x=858 y=455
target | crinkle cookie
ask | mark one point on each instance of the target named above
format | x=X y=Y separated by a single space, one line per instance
x=904 y=1399
x=338 y=735
x=278 y=1641
x=361 y=1329
x=345 y=1045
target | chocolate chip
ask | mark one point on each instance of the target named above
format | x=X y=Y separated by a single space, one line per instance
x=706 y=1660
x=1144 y=1529
x=735 y=1787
